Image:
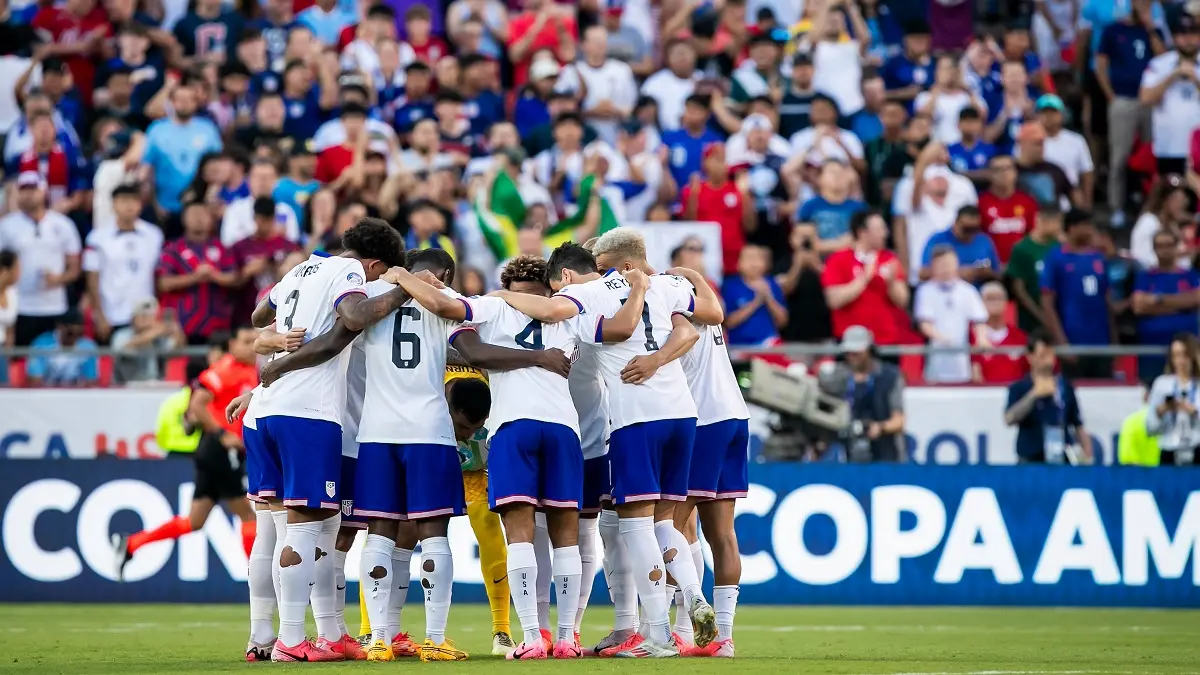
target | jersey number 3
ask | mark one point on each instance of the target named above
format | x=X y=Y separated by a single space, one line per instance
x=400 y=338
x=292 y=299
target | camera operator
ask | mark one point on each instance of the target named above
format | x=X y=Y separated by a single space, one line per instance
x=1174 y=399
x=1045 y=410
x=875 y=392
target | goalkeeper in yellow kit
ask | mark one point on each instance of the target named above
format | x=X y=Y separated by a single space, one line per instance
x=472 y=450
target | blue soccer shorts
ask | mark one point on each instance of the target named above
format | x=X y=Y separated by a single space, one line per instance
x=650 y=460
x=720 y=459
x=349 y=471
x=597 y=483
x=534 y=462
x=310 y=459
x=264 y=479
x=408 y=482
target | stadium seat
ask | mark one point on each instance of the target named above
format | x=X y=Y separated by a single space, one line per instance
x=912 y=366
x=1125 y=369
x=105 y=371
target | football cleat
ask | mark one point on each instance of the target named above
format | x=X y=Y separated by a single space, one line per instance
x=704 y=621
x=364 y=640
x=630 y=642
x=567 y=650
x=547 y=640
x=615 y=639
x=380 y=651
x=348 y=646
x=334 y=646
x=256 y=652
x=502 y=644
x=525 y=652
x=443 y=652
x=121 y=555
x=306 y=651
x=723 y=649
x=403 y=646
x=650 y=649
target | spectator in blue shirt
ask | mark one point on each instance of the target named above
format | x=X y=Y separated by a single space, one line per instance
x=175 y=145
x=1126 y=48
x=306 y=104
x=977 y=257
x=971 y=155
x=298 y=186
x=685 y=145
x=1165 y=300
x=209 y=31
x=326 y=19
x=831 y=210
x=533 y=105
x=277 y=21
x=415 y=102
x=908 y=74
x=69 y=358
x=482 y=106
x=1044 y=408
x=1075 y=302
x=755 y=306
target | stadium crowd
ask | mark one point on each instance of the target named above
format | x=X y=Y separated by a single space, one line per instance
x=917 y=168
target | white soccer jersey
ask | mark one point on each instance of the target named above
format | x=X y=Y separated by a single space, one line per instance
x=250 y=417
x=528 y=393
x=711 y=379
x=591 y=401
x=664 y=396
x=406 y=391
x=125 y=261
x=356 y=390
x=307 y=297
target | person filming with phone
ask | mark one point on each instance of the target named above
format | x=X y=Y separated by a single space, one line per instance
x=1174 y=400
x=1044 y=408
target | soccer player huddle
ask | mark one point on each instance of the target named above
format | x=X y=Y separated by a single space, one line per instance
x=611 y=410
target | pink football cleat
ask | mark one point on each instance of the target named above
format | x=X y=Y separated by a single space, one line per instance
x=403 y=646
x=306 y=651
x=525 y=652
x=547 y=640
x=567 y=650
x=630 y=642
x=687 y=648
x=348 y=646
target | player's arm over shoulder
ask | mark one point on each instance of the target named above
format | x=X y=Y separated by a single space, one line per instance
x=693 y=297
x=558 y=307
x=447 y=306
x=475 y=352
x=355 y=308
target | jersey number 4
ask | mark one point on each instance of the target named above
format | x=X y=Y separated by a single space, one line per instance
x=530 y=337
x=651 y=343
x=400 y=338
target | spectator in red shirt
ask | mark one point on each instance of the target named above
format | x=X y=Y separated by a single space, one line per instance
x=721 y=201
x=1008 y=213
x=47 y=158
x=541 y=26
x=418 y=27
x=341 y=166
x=999 y=368
x=77 y=29
x=864 y=285
x=258 y=257
x=195 y=275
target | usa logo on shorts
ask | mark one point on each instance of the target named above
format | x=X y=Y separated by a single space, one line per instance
x=354 y=278
x=330 y=488
x=347 y=507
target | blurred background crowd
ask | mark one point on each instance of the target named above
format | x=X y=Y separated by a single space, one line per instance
x=954 y=172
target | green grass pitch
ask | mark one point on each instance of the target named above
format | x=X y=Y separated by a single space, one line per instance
x=208 y=639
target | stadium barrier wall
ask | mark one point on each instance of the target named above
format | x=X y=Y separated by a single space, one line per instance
x=809 y=534
x=946 y=425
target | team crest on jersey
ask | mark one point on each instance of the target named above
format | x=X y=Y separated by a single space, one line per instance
x=331 y=488
x=354 y=278
x=347 y=507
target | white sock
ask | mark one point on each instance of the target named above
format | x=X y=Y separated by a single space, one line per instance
x=295 y=581
x=616 y=573
x=725 y=605
x=374 y=573
x=437 y=578
x=279 y=518
x=567 y=569
x=323 y=607
x=674 y=547
x=698 y=559
x=260 y=577
x=541 y=548
x=523 y=582
x=588 y=558
x=339 y=590
x=649 y=576
x=683 y=622
x=401 y=578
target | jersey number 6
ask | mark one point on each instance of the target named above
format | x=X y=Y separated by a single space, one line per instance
x=400 y=338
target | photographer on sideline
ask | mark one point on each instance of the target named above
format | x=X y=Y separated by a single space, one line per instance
x=1174 y=399
x=875 y=392
x=1045 y=410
